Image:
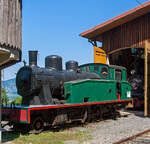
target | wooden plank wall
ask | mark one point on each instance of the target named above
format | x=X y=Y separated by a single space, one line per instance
x=131 y=34
x=11 y=23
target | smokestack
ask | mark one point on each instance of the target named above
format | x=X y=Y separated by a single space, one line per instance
x=33 y=58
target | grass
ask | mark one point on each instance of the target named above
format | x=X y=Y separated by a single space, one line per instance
x=47 y=137
x=122 y=131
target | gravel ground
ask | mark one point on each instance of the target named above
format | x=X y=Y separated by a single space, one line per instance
x=110 y=131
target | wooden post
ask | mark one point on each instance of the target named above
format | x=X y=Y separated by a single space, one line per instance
x=145 y=81
x=147 y=50
x=0 y=111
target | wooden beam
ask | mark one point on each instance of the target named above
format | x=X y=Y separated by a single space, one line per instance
x=120 y=49
x=147 y=49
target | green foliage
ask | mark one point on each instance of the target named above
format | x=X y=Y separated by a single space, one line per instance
x=4 y=97
x=17 y=100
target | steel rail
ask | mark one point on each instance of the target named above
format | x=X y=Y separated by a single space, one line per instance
x=132 y=137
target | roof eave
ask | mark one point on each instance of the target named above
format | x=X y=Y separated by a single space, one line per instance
x=96 y=32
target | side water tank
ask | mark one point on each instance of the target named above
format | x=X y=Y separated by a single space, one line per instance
x=71 y=65
x=53 y=61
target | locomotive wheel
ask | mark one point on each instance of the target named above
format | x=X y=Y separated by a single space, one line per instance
x=38 y=125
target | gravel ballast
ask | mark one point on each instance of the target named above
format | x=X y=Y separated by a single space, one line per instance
x=111 y=131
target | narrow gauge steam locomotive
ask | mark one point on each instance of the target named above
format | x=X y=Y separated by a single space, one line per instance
x=52 y=96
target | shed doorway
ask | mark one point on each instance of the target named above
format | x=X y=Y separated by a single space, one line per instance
x=133 y=59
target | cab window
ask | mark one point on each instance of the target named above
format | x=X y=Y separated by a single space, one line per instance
x=118 y=75
x=96 y=68
x=87 y=69
x=104 y=72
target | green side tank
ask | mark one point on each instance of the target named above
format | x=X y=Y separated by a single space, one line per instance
x=111 y=87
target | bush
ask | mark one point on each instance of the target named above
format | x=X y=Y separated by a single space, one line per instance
x=17 y=100
x=4 y=97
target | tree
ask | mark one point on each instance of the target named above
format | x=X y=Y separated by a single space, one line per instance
x=17 y=100
x=4 y=97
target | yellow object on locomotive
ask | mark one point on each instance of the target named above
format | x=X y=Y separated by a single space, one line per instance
x=100 y=56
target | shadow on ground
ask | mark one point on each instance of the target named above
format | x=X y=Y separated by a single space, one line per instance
x=137 y=112
x=9 y=136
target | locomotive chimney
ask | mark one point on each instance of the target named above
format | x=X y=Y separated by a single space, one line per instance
x=33 y=58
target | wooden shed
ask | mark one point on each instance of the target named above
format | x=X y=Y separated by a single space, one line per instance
x=10 y=32
x=129 y=31
x=10 y=35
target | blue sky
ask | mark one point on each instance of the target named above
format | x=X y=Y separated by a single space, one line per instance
x=53 y=27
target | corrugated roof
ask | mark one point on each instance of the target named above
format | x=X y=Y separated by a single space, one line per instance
x=116 y=21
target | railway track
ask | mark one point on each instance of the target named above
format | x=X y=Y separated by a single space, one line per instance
x=140 y=138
